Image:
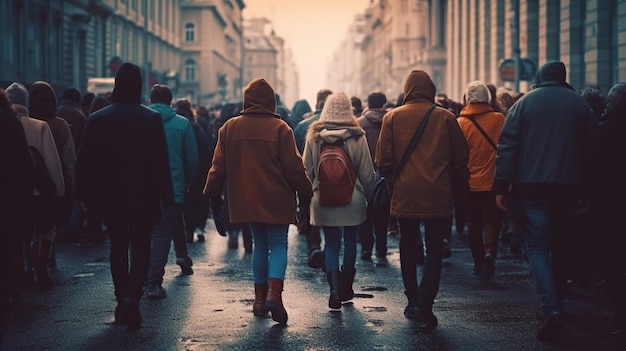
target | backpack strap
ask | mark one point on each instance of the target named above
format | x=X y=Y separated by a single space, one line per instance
x=482 y=131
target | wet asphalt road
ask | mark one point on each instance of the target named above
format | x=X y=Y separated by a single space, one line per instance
x=211 y=310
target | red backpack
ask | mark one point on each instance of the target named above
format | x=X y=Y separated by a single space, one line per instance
x=336 y=175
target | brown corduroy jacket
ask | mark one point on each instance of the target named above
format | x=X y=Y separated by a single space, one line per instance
x=256 y=156
x=436 y=174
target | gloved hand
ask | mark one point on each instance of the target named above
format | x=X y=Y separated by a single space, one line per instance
x=216 y=208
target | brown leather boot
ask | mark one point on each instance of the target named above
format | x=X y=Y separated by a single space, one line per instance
x=274 y=301
x=260 y=294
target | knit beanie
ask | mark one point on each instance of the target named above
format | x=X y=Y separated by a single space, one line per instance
x=18 y=95
x=476 y=92
x=337 y=109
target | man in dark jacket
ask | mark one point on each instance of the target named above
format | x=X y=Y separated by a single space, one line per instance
x=542 y=154
x=123 y=177
x=70 y=111
x=377 y=218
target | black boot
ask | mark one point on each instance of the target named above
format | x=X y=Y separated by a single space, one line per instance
x=333 y=281
x=347 y=278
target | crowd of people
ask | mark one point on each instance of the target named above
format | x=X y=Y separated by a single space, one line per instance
x=537 y=171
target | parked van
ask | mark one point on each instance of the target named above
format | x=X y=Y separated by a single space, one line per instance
x=100 y=85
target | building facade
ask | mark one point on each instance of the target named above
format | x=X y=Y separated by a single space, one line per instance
x=458 y=41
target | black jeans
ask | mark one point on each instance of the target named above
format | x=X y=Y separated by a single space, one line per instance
x=436 y=229
x=129 y=280
x=375 y=225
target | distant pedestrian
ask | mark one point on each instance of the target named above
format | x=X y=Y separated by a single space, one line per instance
x=423 y=194
x=257 y=156
x=313 y=236
x=481 y=127
x=542 y=153
x=123 y=177
x=357 y=106
x=608 y=202
x=337 y=124
x=43 y=106
x=69 y=110
x=300 y=108
x=183 y=161
x=196 y=206
x=16 y=186
x=41 y=139
x=375 y=225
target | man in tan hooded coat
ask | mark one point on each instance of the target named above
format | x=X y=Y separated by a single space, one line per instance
x=433 y=179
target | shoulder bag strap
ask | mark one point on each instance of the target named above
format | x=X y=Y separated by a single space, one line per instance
x=409 y=149
x=482 y=131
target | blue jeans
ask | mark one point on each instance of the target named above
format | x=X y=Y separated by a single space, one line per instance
x=545 y=222
x=269 y=255
x=332 y=237
x=170 y=227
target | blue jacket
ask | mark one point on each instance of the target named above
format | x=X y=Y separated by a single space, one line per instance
x=182 y=150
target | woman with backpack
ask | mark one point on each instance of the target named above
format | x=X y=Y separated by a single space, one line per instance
x=338 y=162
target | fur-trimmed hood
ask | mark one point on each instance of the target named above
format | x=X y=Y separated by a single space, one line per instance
x=332 y=132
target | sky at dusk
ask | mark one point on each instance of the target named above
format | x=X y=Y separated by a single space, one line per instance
x=313 y=29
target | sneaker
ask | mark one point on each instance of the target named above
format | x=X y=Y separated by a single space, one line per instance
x=446 y=252
x=549 y=326
x=392 y=232
x=154 y=292
x=489 y=266
x=185 y=264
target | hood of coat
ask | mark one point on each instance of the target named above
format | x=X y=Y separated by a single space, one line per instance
x=475 y=109
x=259 y=99
x=42 y=101
x=419 y=88
x=375 y=116
x=166 y=111
x=128 y=85
x=334 y=132
x=551 y=73
x=17 y=94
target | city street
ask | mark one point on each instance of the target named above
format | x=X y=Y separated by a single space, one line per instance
x=211 y=309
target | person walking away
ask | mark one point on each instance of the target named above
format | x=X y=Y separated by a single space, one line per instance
x=41 y=139
x=17 y=183
x=126 y=136
x=338 y=126
x=183 y=163
x=481 y=127
x=608 y=203
x=375 y=225
x=313 y=236
x=43 y=106
x=434 y=177
x=257 y=156
x=196 y=206
x=69 y=110
x=542 y=152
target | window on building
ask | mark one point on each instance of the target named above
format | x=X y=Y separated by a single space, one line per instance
x=407 y=29
x=190 y=32
x=133 y=4
x=190 y=70
x=404 y=6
